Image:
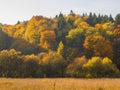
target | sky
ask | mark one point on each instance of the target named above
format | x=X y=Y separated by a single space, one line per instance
x=13 y=10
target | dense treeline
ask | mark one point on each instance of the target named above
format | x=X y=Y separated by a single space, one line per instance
x=64 y=46
x=52 y=64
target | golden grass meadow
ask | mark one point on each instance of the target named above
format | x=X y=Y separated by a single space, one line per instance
x=59 y=84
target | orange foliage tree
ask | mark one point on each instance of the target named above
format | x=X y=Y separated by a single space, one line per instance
x=98 y=46
x=48 y=39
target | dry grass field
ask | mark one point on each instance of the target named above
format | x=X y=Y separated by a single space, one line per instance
x=59 y=84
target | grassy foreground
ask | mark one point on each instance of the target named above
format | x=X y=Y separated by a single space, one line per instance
x=59 y=84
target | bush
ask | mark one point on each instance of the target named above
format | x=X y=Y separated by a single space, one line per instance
x=98 y=67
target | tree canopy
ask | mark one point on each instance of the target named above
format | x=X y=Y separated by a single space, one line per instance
x=72 y=45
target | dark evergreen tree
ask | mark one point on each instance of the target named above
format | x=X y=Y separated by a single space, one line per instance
x=95 y=19
x=105 y=19
x=5 y=40
x=116 y=48
x=61 y=29
x=111 y=18
x=117 y=19
x=99 y=19
x=90 y=19
x=61 y=22
x=71 y=12
x=18 y=22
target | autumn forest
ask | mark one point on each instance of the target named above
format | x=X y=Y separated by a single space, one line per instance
x=73 y=45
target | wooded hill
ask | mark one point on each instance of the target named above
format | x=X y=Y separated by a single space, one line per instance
x=70 y=45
